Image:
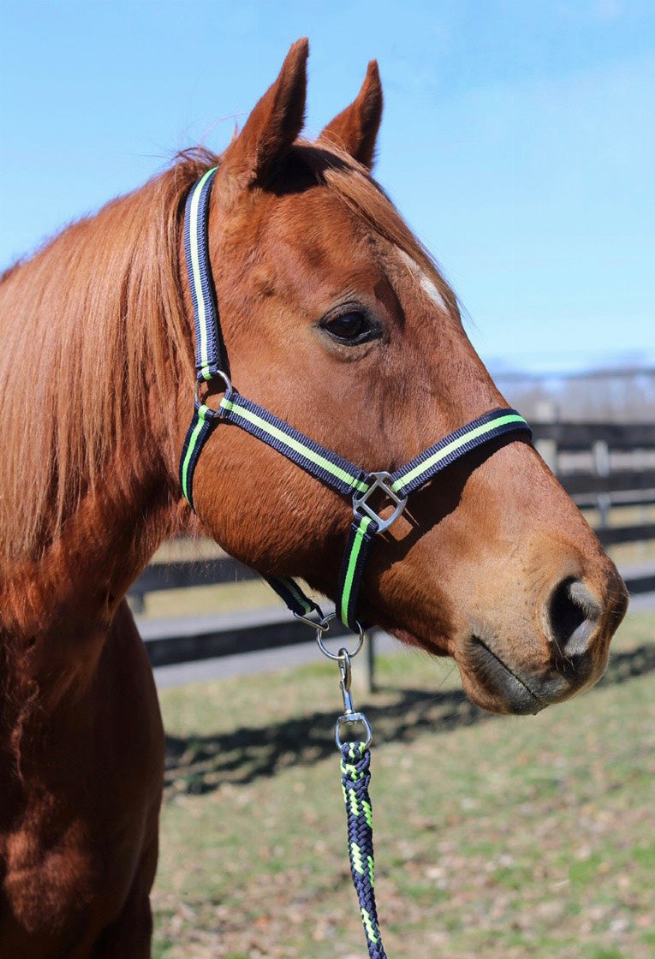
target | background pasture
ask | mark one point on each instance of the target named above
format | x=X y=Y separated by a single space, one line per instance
x=500 y=838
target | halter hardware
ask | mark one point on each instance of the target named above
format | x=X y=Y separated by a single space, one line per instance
x=381 y=481
x=219 y=374
x=323 y=627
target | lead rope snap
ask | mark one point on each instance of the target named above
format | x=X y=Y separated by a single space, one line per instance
x=355 y=780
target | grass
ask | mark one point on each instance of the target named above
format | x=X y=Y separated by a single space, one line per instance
x=494 y=837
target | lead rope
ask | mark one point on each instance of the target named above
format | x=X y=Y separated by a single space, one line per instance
x=355 y=780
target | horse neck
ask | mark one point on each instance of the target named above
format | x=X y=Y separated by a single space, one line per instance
x=74 y=585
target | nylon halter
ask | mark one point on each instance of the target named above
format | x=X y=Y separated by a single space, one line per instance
x=328 y=467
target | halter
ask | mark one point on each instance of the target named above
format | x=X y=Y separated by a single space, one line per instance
x=330 y=468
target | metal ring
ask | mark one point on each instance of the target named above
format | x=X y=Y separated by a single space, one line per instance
x=323 y=627
x=219 y=373
x=348 y=719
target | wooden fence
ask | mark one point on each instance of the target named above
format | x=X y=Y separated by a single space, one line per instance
x=601 y=465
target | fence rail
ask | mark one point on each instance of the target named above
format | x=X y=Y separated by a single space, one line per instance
x=619 y=470
x=581 y=436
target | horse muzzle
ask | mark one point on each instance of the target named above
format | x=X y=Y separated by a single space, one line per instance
x=522 y=675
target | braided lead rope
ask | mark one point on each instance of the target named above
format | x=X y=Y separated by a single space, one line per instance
x=355 y=779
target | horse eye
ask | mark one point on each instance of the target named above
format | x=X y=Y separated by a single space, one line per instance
x=352 y=327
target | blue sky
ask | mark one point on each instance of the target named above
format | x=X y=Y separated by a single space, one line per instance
x=518 y=137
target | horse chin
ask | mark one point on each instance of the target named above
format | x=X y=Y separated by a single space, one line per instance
x=486 y=680
x=495 y=684
x=500 y=686
x=491 y=684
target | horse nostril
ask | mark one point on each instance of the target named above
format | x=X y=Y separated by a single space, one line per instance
x=573 y=614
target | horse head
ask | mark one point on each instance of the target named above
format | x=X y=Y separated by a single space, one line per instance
x=336 y=319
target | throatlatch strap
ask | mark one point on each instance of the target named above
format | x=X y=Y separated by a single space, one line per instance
x=291 y=594
x=210 y=351
x=322 y=463
x=355 y=779
x=482 y=430
x=362 y=534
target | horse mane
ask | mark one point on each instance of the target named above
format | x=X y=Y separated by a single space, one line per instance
x=94 y=330
x=91 y=319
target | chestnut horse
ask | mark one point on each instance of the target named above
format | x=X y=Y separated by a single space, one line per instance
x=335 y=318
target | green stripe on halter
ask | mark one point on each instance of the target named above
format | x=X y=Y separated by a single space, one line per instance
x=441 y=454
x=364 y=523
x=233 y=406
x=202 y=410
x=195 y=262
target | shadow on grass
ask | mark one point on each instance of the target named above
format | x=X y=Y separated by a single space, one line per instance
x=200 y=764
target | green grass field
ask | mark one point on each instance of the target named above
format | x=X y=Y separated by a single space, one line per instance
x=495 y=837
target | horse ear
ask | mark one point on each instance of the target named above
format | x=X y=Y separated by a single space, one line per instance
x=274 y=123
x=355 y=129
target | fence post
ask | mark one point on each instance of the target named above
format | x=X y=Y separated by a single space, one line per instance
x=547 y=449
x=370 y=662
x=137 y=601
x=601 y=455
x=546 y=412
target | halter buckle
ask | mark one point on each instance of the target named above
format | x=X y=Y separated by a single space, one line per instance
x=360 y=501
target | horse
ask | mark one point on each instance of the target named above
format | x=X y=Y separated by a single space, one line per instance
x=335 y=317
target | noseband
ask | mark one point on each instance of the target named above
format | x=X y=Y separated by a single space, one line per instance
x=330 y=468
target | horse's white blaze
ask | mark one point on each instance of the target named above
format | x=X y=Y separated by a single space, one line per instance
x=426 y=284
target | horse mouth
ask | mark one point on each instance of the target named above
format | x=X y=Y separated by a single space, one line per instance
x=490 y=683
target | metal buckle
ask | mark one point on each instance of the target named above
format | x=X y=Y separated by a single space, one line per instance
x=349 y=719
x=319 y=624
x=383 y=482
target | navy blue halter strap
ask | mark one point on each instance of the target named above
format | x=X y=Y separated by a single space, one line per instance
x=211 y=358
x=328 y=467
